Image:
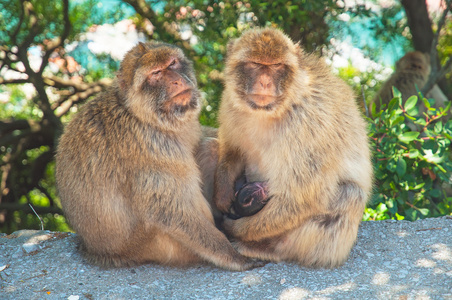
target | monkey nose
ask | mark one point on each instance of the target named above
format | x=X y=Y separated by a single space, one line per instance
x=177 y=82
x=265 y=82
x=265 y=85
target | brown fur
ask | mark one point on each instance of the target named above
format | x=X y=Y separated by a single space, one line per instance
x=309 y=142
x=411 y=74
x=126 y=172
x=207 y=159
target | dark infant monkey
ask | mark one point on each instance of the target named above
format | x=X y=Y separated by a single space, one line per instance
x=250 y=198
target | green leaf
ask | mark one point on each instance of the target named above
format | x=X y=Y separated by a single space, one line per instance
x=421 y=122
x=435 y=193
x=426 y=103
x=373 y=109
x=396 y=92
x=392 y=205
x=439 y=127
x=424 y=211
x=408 y=137
x=381 y=208
x=398 y=120
x=418 y=186
x=410 y=117
x=413 y=153
x=401 y=167
x=393 y=104
x=449 y=103
x=410 y=102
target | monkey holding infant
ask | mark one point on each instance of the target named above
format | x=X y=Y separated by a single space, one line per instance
x=287 y=121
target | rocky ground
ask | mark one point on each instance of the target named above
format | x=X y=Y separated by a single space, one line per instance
x=391 y=260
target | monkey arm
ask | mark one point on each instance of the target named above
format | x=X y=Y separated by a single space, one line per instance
x=277 y=217
x=200 y=236
x=281 y=215
x=230 y=166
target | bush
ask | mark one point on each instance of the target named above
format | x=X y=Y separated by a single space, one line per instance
x=412 y=160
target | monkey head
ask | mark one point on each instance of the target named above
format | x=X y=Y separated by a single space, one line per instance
x=250 y=198
x=262 y=71
x=158 y=84
x=416 y=62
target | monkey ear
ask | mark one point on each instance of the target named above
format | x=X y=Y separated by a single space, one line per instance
x=141 y=47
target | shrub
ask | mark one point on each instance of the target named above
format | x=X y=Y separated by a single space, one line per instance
x=412 y=160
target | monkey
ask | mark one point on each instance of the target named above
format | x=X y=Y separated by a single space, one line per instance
x=126 y=171
x=286 y=120
x=410 y=76
x=250 y=197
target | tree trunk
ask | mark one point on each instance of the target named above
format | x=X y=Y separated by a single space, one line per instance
x=419 y=23
x=422 y=33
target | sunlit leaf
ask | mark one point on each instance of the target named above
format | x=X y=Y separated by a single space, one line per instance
x=410 y=102
x=408 y=137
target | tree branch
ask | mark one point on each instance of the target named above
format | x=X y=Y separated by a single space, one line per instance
x=39 y=167
x=83 y=92
x=13 y=81
x=9 y=126
x=435 y=74
x=434 y=45
x=162 y=28
x=19 y=24
x=57 y=42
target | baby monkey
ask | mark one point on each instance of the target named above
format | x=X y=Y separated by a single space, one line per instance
x=250 y=198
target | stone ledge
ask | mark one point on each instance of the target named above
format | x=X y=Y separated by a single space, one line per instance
x=391 y=260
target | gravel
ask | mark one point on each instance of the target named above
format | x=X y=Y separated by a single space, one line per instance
x=391 y=260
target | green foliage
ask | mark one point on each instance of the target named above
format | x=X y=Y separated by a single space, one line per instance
x=412 y=160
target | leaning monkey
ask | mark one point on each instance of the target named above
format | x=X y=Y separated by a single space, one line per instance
x=410 y=76
x=287 y=121
x=126 y=171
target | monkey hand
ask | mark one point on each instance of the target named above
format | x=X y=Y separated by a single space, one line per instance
x=252 y=263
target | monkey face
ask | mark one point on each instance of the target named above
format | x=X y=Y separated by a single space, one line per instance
x=263 y=86
x=263 y=69
x=415 y=62
x=159 y=83
x=172 y=88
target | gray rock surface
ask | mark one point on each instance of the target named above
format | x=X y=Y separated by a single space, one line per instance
x=391 y=260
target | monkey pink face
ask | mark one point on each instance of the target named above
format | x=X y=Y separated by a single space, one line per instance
x=158 y=80
x=263 y=85
x=175 y=90
x=262 y=63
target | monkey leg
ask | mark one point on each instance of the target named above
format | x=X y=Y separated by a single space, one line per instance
x=203 y=239
x=143 y=246
x=321 y=240
x=196 y=243
x=207 y=159
x=229 y=168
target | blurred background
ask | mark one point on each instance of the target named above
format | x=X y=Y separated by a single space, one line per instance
x=56 y=55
